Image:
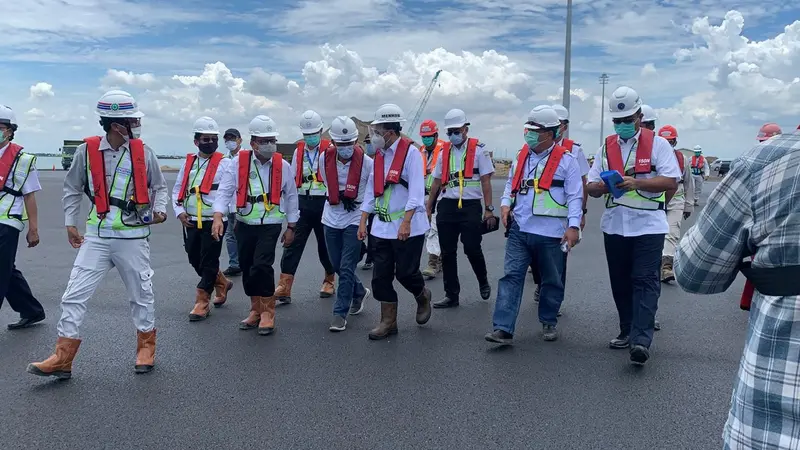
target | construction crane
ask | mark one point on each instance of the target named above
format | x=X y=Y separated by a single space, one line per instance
x=420 y=106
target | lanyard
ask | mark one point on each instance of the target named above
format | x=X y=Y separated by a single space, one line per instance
x=198 y=196
x=460 y=175
x=312 y=163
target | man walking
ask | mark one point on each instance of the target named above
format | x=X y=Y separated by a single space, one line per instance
x=233 y=143
x=700 y=172
x=430 y=151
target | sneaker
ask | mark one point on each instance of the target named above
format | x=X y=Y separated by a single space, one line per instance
x=620 y=342
x=537 y=293
x=358 y=303
x=367 y=266
x=232 y=271
x=549 y=333
x=446 y=302
x=486 y=291
x=639 y=355
x=499 y=337
x=338 y=324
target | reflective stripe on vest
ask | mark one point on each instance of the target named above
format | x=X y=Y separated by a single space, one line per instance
x=633 y=199
x=192 y=191
x=429 y=164
x=382 y=207
x=308 y=180
x=542 y=183
x=253 y=203
x=698 y=162
x=15 y=167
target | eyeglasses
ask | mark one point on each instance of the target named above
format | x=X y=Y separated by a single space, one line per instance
x=625 y=120
x=452 y=132
x=265 y=141
x=208 y=139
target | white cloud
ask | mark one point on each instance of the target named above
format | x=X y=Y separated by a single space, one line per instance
x=648 y=70
x=41 y=90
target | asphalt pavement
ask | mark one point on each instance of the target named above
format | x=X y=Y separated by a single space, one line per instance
x=438 y=386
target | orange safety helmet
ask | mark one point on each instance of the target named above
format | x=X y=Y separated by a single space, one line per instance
x=767 y=131
x=428 y=128
x=668 y=132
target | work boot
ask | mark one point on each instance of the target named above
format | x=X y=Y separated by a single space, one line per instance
x=59 y=364
x=284 y=290
x=145 y=351
x=222 y=286
x=266 y=325
x=434 y=267
x=202 y=309
x=255 y=314
x=667 y=274
x=388 y=324
x=328 y=287
x=423 y=306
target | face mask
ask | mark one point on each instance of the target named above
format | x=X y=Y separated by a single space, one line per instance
x=696 y=153
x=378 y=141
x=532 y=139
x=345 y=151
x=312 y=141
x=428 y=141
x=208 y=148
x=625 y=130
x=231 y=145
x=123 y=134
x=2 y=136
x=456 y=139
x=137 y=132
x=558 y=134
x=266 y=150
x=370 y=149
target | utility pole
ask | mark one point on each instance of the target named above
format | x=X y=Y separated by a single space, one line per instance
x=567 y=60
x=604 y=82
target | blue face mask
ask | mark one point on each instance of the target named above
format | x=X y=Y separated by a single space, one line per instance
x=312 y=141
x=625 y=130
x=456 y=139
x=370 y=149
x=345 y=151
x=532 y=139
x=428 y=141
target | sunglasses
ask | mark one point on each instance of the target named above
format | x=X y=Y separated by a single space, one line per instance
x=625 y=120
x=208 y=139
x=265 y=141
x=452 y=132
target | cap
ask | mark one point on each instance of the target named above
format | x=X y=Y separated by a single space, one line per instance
x=232 y=132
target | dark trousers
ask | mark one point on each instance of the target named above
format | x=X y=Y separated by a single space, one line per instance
x=453 y=223
x=537 y=276
x=634 y=265
x=370 y=239
x=256 y=245
x=310 y=220
x=203 y=253
x=394 y=258
x=13 y=285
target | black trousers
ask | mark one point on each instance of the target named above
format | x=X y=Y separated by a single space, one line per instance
x=203 y=253
x=537 y=277
x=370 y=239
x=13 y=285
x=256 y=245
x=394 y=258
x=453 y=223
x=311 y=208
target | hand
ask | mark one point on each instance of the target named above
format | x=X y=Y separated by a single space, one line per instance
x=628 y=184
x=217 y=228
x=362 y=232
x=159 y=217
x=490 y=218
x=74 y=237
x=505 y=214
x=686 y=215
x=571 y=237
x=405 y=230
x=32 y=237
x=428 y=210
x=184 y=218
x=288 y=237
x=583 y=221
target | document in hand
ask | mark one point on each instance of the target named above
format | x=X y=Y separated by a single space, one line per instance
x=612 y=178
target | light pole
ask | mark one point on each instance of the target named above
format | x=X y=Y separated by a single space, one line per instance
x=567 y=60
x=604 y=82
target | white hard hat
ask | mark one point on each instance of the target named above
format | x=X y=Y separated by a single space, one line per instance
x=310 y=122
x=118 y=103
x=623 y=102
x=206 y=125
x=541 y=117
x=343 y=129
x=7 y=116
x=697 y=148
x=649 y=114
x=562 y=111
x=455 y=118
x=389 y=113
x=263 y=126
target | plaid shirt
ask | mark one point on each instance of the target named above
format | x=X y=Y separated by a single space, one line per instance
x=756 y=207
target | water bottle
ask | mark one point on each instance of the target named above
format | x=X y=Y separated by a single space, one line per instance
x=145 y=213
x=565 y=247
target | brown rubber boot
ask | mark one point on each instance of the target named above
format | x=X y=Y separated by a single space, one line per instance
x=59 y=364
x=267 y=324
x=328 y=287
x=145 y=351
x=221 y=288
x=283 y=292
x=255 y=313
x=424 y=306
x=202 y=309
x=388 y=325
x=434 y=267
x=667 y=274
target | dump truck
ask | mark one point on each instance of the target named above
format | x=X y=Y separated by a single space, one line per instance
x=68 y=151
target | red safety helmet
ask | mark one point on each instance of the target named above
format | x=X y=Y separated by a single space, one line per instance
x=668 y=132
x=767 y=131
x=428 y=128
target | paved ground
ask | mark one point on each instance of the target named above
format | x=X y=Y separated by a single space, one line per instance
x=436 y=386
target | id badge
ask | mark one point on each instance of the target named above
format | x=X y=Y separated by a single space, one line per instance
x=523 y=190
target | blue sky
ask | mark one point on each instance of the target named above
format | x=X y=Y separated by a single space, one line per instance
x=500 y=59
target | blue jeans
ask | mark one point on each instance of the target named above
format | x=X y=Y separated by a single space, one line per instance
x=230 y=243
x=521 y=249
x=344 y=250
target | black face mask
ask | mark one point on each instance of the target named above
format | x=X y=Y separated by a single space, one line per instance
x=208 y=147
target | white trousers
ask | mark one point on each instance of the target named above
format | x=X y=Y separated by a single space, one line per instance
x=675 y=219
x=698 y=187
x=95 y=258
x=432 y=238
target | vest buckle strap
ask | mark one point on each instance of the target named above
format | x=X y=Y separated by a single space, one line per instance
x=195 y=189
x=12 y=192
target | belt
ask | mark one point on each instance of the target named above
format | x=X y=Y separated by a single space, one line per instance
x=256 y=199
x=194 y=190
x=775 y=281
x=127 y=206
x=554 y=183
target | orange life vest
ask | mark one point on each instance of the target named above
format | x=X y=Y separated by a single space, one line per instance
x=276 y=179
x=681 y=162
x=469 y=164
x=545 y=182
x=353 y=174
x=7 y=162
x=97 y=166
x=698 y=162
x=644 y=154
x=207 y=184
x=301 y=148
x=428 y=167
x=395 y=170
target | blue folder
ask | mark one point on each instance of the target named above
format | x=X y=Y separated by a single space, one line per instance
x=612 y=178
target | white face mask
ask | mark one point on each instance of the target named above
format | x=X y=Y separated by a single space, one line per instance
x=378 y=141
x=137 y=132
x=231 y=145
x=267 y=150
x=345 y=151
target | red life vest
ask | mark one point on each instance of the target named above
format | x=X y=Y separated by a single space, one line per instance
x=698 y=162
x=681 y=162
x=276 y=178
x=97 y=166
x=7 y=162
x=644 y=153
x=469 y=164
x=546 y=180
x=568 y=144
x=208 y=178
x=353 y=174
x=428 y=168
x=395 y=170
x=301 y=148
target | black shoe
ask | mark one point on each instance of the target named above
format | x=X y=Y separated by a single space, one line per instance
x=499 y=337
x=549 y=333
x=447 y=302
x=620 y=342
x=639 y=355
x=26 y=322
x=486 y=291
x=232 y=271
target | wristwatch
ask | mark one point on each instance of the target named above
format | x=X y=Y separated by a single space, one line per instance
x=490 y=208
x=585 y=211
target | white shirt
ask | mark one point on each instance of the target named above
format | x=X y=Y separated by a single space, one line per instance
x=226 y=194
x=684 y=196
x=31 y=184
x=336 y=216
x=199 y=162
x=230 y=156
x=631 y=222
x=483 y=162
x=580 y=157
x=572 y=194
x=311 y=163
x=409 y=199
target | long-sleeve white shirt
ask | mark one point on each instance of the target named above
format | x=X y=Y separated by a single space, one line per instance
x=336 y=216
x=310 y=158
x=482 y=162
x=200 y=162
x=402 y=199
x=226 y=194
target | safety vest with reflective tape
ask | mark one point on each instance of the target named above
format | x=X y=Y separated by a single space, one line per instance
x=384 y=185
x=121 y=210
x=698 y=163
x=308 y=180
x=640 y=165
x=466 y=169
x=253 y=203
x=542 y=183
x=429 y=164
x=191 y=195
x=15 y=167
